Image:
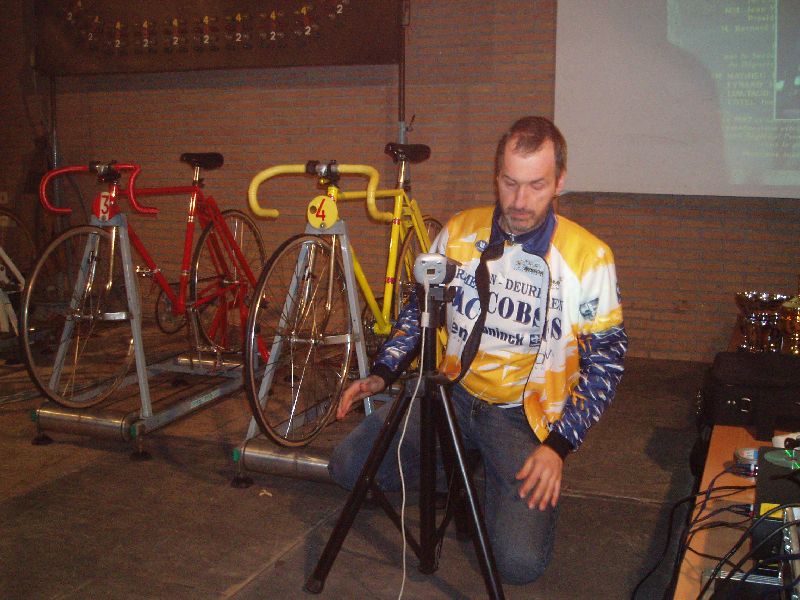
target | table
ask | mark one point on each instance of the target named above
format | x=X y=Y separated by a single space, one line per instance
x=725 y=439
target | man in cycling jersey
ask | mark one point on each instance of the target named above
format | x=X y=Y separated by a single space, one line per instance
x=550 y=355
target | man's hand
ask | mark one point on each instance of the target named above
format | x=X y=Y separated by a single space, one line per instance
x=358 y=390
x=541 y=478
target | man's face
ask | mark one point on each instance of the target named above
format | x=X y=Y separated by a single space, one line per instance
x=526 y=187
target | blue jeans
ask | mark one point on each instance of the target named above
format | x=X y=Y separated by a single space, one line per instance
x=521 y=538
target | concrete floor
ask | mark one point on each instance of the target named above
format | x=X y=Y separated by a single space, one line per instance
x=80 y=519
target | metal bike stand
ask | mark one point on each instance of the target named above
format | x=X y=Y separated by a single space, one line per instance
x=257 y=453
x=127 y=426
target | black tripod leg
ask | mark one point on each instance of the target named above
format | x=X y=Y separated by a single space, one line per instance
x=316 y=582
x=480 y=537
x=427 y=481
x=456 y=496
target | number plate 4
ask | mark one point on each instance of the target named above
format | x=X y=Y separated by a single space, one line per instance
x=322 y=212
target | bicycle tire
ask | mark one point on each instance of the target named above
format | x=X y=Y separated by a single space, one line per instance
x=75 y=328
x=409 y=250
x=17 y=242
x=219 y=290
x=297 y=349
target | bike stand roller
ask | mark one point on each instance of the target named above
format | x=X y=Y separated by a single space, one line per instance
x=259 y=454
x=133 y=426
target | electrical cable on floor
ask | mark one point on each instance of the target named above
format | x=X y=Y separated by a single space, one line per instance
x=654 y=568
x=400 y=444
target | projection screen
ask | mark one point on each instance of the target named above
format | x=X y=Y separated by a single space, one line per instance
x=689 y=97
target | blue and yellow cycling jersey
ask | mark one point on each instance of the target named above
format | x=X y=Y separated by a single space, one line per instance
x=553 y=337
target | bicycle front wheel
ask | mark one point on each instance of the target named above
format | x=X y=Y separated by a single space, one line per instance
x=299 y=337
x=221 y=282
x=75 y=325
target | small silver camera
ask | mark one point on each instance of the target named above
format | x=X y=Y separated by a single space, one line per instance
x=435 y=269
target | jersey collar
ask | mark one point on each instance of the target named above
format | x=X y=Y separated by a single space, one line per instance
x=536 y=241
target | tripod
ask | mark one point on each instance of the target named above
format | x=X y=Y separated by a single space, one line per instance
x=437 y=419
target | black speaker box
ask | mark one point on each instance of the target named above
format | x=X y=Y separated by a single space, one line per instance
x=761 y=390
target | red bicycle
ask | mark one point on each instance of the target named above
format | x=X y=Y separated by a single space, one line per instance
x=74 y=324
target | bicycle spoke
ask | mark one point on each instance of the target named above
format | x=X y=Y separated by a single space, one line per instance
x=76 y=334
x=299 y=294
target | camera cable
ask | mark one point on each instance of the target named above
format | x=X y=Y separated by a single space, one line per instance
x=424 y=319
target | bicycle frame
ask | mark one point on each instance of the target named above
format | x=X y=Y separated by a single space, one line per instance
x=404 y=216
x=201 y=208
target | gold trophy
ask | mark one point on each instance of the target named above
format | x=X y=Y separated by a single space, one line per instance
x=790 y=323
x=758 y=320
x=747 y=303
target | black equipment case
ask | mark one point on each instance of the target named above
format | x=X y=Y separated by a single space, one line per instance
x=752 y=389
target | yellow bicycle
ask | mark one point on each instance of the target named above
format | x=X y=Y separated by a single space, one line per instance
x=303 y=329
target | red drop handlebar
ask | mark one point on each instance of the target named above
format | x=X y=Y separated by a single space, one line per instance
x=129 y=192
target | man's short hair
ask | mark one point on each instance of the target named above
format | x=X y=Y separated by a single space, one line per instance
x=527 y=135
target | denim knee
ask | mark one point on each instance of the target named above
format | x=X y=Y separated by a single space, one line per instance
x=345 y=466
x=523 y=541
x=516 y=568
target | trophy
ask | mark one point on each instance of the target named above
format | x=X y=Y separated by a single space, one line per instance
x=759 y=320
x=790 y=325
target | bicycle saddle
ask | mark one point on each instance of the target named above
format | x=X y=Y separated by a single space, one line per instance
x=413 y=153
x=204 y=160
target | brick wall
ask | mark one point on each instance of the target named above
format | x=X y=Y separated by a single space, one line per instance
x=472 y=68
x=681 y=260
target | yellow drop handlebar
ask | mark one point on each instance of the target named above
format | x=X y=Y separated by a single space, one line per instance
x=372 y=185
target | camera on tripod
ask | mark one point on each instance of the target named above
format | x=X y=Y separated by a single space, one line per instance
x=434 y=269
x=433 y=272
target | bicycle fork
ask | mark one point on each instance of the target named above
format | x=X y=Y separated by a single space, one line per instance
x=81 y=291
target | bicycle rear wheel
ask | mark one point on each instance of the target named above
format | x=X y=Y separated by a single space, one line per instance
x=299 y=337
x=409 y=250
x=75 y=328
x=220 y=287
